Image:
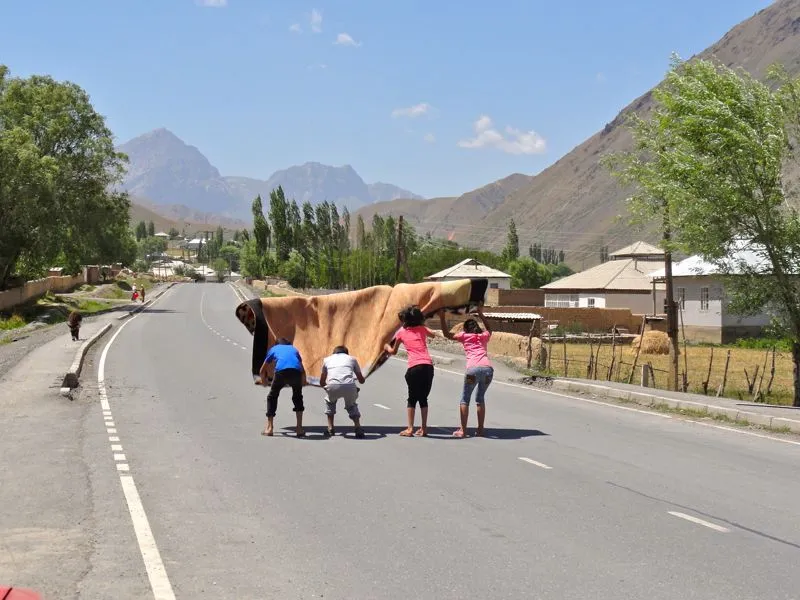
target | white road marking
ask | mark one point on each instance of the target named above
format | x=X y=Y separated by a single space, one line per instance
x=116 y=447
x=534 y=462
x=111 y=430
x=156 y=573
x=120 y=457
x=383 y=407
x=106 y=413
x=708 y=524
x=744 y=432
x=159 y=581
x=110 y=424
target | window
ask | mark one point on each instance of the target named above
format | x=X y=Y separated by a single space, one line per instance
x=590 y=302
x=561 y=300
x=494 y=286
x=704 y=298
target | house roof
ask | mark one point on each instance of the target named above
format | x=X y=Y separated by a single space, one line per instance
x=162 y=234
x=504 y=316
x=638 y=249
x=469 y=268
x=740 y=261
x=622 y=274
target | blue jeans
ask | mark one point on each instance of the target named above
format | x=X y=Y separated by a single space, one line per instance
x=476 y=376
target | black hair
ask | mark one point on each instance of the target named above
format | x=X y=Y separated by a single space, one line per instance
x=283 y=342
x=471 y=326
x=341 y=350
x=411 y=316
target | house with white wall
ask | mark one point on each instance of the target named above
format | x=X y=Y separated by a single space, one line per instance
x=623 y=281
x=472 y=269
x=702 y=303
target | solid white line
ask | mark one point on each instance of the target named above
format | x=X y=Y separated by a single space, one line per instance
x=156 y=573
x=159 y=581
x=713 y=526
x=116 y=447
x=744 y=432
x=534 y=462
x=120 y=457
x=383 y=407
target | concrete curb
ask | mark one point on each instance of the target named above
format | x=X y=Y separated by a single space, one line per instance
x=650 y=400
x=141 y=307
x=74 y=373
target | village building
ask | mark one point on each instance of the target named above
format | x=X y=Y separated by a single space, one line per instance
x=624 y=281
x=472 y=269
x=702 y=304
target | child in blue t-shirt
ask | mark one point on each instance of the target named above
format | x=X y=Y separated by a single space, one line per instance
x=288 y=372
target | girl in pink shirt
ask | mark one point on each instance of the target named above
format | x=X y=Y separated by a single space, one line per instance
x=479 y=368
x=419 y=376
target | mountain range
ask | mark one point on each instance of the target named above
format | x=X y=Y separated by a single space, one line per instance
x=176 y=180
x=575 y=204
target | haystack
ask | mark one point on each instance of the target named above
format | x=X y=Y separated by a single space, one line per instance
x=511 y=345
x=655 y=342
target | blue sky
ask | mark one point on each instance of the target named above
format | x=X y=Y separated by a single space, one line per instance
x=437 y=96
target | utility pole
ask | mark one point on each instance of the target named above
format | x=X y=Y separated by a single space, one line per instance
x=672 y=313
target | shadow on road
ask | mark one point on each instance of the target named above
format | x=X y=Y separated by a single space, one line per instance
x=380 y=431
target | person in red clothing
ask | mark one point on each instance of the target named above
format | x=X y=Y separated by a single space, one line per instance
x=419 y=377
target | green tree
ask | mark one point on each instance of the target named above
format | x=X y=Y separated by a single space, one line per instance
x=173 y=233
x=709 y=162
x=231 y=255
x=150 y=247
x=151 y=229
x=251 y=262
x=279 y=219
x=141 y=230
x=220 y=268
x=527 y=273
x=293 y=269
x=57 y=165
x=261 y=236
x=511 y=250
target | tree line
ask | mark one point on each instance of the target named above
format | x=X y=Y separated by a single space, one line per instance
x=320 y=247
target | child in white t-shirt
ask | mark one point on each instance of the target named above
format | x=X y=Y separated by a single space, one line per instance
x=340 y=375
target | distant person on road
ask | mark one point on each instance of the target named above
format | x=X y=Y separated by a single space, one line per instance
x=479 y=368
x=289 y=372
x=419 y=376
x=340 y=373
x=74 y=324
x=142 y=295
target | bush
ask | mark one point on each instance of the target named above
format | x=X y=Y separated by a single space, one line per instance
x=13 y=322
x=765 y=343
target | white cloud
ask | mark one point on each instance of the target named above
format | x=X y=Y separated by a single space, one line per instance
x=412 y=111
x=213 y=3
x=344 y=39
x=316 y=21
x=295 y=28
x=511 y=141
x=429 y=138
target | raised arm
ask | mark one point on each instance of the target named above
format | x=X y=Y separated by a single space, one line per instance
x=393 y=348
x=445 y=329
x=323 y=377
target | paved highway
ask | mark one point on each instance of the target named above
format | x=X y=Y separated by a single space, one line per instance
x=564 y=499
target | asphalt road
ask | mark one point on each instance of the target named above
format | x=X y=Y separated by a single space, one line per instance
x=564 y=499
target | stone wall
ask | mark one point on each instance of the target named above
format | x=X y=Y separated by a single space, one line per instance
x=37 y=288
x=532 y=297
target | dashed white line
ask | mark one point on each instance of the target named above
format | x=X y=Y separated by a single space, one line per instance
x=156 y=573
x=119 y=457
x=116 y=447
x=111 y=430
x=534 y=462
x=692 y=519
x=383 y=407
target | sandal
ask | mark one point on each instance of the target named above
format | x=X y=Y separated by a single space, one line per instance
x=459 y=433
x=420 y=433
x=407 y=433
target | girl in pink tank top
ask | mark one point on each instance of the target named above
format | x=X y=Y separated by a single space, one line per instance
x=419 y=377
